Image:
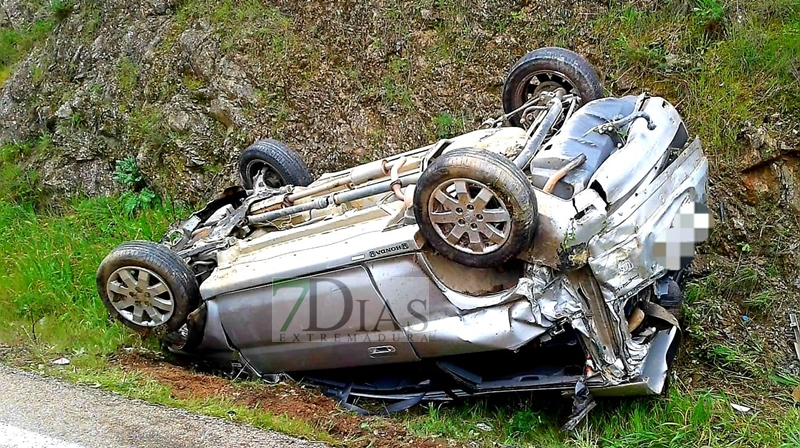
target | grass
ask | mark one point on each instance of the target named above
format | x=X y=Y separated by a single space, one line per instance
x=446 y=125
x=137 y=385
x=17 y=43
x=127 y=76
x=684 y=419
x=49 y=304
x=720 y=80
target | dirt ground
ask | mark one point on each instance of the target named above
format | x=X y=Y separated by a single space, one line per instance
x=294 y=400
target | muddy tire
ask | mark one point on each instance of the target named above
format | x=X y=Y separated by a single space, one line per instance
x=475 y=207
x=284 y=166
x=548 y=69
x=147 y=286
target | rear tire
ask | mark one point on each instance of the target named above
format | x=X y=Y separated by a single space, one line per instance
x=147 y=286
x=547 y=69
x=475 y=207
x=284 y=166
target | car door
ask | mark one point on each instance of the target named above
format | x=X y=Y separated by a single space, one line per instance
x=326 y=321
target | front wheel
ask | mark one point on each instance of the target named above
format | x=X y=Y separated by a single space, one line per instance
x=546 y=70
x=147 y=286
x=475 y=208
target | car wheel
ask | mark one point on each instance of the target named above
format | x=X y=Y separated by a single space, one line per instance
x=475 y=207
x=284 y=166
x=548 y=69
x=147 y=286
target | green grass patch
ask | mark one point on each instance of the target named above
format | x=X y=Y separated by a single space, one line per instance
x=683 y=419
x=719 y=79
x=15 y=44
x=445 y=125
x=49 y=304
x=127 y=76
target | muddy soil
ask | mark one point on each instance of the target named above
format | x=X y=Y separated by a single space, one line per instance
x=292 y=399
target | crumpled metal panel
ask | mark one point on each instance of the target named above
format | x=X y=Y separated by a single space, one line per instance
x=555 y=215
x=644 y=149
x=622 y=257
x=507 y=326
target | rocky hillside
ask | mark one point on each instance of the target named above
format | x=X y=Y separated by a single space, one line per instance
x=184 y=86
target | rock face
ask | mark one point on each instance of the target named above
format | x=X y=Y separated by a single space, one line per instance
x=184 y=86
x=770 y=169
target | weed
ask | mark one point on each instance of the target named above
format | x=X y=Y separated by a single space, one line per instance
x=127 y=75
x=97 y=89
x=761 y=302
x=91 y=21
x=710 y=12
x=134 y=201
x=785 y=379
x=75 y=120
x=743 y=282
x=447 y=126
x=128 y=174
x=684 y=419
x=192 y=83
x=15 y=44
x=37 y=74
x=146 y=126
x=642 y=54
x=742 y=358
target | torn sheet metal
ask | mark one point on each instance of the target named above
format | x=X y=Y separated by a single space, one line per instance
x=622 y=257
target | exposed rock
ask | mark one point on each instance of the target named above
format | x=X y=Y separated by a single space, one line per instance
x=770 y=169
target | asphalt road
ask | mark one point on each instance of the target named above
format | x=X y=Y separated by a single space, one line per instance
x=39 y=412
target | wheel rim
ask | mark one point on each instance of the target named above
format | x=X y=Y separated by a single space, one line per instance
x=140 y=296
x=545 y=81
x=272 y=177
x=469 y=216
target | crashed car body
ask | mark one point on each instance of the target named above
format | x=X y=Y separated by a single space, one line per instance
x=520 y=256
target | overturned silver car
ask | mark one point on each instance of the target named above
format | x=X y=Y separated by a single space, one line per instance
x=540 y=252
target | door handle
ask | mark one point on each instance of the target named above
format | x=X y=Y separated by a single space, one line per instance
x=381 y=350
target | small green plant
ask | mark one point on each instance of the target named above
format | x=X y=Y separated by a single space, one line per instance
x=135 y=201
x=711 y=12
x=638 y=53
x=138 y=197
x=128 y=174
x=37 y=74
x=127 y=75
x=192 y=83
x=15 y=44
x=785 y=379
x=447 y=126
x=75 y=120
x=743 y=282
x=736 y=358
